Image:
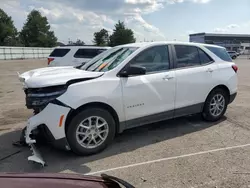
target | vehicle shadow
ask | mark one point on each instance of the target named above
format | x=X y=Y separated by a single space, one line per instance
x=14 y=159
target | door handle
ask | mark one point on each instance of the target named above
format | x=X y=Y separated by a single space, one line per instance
x=209 y=70
x=167 y=77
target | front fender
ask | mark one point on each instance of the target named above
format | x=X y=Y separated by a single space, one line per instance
x=104 y=91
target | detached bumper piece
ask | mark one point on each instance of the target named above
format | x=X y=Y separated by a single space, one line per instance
x=36 y=157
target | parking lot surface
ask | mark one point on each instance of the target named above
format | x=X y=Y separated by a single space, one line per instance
x=185 y=152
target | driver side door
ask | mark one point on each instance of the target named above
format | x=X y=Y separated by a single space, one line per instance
x=149 y=98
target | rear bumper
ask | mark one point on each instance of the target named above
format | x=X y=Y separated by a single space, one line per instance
x=232 y=97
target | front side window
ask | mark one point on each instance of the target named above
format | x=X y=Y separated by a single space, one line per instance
x=154 y=59
x=109 y=59
x=187 y=56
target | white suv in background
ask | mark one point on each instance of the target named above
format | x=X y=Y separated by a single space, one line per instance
x=73 y=55
x=128 y=86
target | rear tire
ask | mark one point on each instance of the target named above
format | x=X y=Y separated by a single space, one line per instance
x=214 y=107
x=83 y=134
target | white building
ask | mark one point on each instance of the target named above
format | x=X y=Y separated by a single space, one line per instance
x=233 y=42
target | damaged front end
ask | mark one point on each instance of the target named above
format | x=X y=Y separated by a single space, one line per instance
x=43 y=88
x=38 y=98
x=47 y=112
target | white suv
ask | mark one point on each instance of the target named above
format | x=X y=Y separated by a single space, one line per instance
x=128 y=86
x=73 y=55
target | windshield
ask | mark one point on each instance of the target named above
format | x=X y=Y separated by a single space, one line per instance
x=110 y=59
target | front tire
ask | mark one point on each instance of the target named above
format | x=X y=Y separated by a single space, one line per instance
x=91 y=131
x=215 y=105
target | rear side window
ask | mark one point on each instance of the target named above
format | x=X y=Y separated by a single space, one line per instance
x=88 y=53
x=59 y=52
x=220 y=52
x=187 y=56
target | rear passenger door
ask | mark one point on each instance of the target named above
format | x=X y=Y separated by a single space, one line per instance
x=194 y=78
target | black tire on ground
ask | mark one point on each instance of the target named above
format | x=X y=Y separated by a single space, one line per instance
x=22 y=136
x=71 y=132
x=206 y=114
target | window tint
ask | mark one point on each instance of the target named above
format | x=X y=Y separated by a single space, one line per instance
x=187 y=56
x=87 y=53
x=220 y=52
x=59 y=52
x=153 y=59
x=204 y=58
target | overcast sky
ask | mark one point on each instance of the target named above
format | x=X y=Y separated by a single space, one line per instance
x=149 y=19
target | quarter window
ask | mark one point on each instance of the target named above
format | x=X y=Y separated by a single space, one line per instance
x=154 y=59
x=221 y=53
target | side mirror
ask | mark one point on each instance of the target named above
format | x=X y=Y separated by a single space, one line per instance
x=133 y=70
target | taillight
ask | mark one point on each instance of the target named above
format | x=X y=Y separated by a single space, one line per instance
x=235 y=68
x=50 y=59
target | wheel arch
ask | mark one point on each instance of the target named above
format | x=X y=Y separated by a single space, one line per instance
x=221 y=86
x=101 y=105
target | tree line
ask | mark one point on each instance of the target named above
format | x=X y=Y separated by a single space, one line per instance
x=36 y=32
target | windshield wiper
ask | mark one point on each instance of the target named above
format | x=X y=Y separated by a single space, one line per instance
x=80 y=66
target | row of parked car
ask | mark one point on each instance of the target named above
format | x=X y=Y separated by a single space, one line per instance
x=233 y=54
x=83 y=107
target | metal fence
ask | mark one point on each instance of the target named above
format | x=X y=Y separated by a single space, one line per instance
x=8 y=53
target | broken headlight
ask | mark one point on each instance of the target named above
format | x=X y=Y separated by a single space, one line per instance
x=38 y=98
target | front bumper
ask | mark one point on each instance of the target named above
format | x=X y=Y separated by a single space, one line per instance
x=53 y=116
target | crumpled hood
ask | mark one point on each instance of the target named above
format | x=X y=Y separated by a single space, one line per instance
x=52 y=76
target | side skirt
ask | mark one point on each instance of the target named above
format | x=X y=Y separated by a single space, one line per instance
x=193 y=109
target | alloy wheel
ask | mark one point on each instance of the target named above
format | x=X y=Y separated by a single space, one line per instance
x=217 y=105
x=92 y=132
